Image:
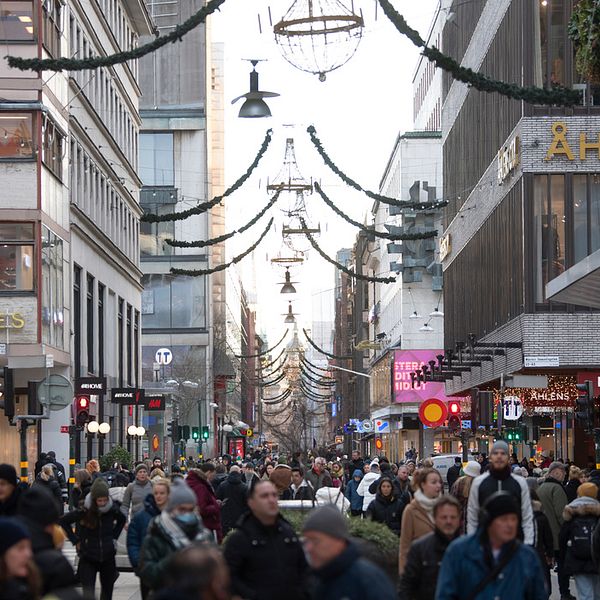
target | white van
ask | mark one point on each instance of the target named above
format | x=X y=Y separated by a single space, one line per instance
x=443 y=462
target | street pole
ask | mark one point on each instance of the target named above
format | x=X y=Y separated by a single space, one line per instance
x=597 y=446
x=23 y=444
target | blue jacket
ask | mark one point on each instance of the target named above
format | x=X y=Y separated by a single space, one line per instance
x=464 y=566
x=352 y=577
x=356 y=501
x=138 y=529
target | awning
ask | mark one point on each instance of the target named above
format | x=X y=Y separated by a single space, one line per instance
x=578 y=285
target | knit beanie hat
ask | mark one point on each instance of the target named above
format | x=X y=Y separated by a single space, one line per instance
x=473 y=468
x=99 y=489
x=328 y=520
x=8 y=473
x=588 y=489
x=181 y=493
x=556 y=465
x=39 y=505
x=498 y=504
x=141 y=467
x=11 y=533
x=500 y=445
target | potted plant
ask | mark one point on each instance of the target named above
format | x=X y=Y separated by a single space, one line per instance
x=584 y=31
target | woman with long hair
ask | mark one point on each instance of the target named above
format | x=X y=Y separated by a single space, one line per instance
x=461 y=489
x=417 y=518
x=19 y=577
x=47 y=480
x=81 y=488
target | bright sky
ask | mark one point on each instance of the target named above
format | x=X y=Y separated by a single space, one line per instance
x=357 y=112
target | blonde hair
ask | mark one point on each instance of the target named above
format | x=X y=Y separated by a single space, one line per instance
x=47 y=472
x=162 y=481
x=575 y=472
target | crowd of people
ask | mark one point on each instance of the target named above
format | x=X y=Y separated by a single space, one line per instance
x=492 y=527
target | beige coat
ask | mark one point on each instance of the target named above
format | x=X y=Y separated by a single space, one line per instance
x=415 y=524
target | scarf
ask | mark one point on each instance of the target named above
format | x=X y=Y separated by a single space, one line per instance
x=172 y=531
x=87 y=503
x=426 y=503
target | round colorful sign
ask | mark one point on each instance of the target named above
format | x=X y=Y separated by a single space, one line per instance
x=433 y=412
x=155 y=443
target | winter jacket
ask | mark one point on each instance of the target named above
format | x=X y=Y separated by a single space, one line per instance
x=78 y=494
x=453 y=474
x=138 y=528
x=233 y=494
x=585 y=512
x=468 y=560
x=97 y=543
x=265 y=563
x=387 y=510
x=571 y=489
x=351 y=577
x=218 y=480
x=490 y=482
x=61 y=478
x=415 y=524
x=52 y=486
x=543 y=541
x=319 y=480
x=8 y=508
x=460 y=490
x=554 y=499
x=356 y=501
x=209 y=508
x=134 y=496
x=363 y=489
x=303 y=492
x=422 y=567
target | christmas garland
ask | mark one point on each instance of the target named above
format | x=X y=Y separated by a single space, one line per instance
x=309 y=340
x=313 y=395
x=93 y=62
x=233 y=261
x=264 y=351
x=340 y=266
x=203 y=207
x=274 y=381
x=277 y=399
x=306 y=362
x=369 y=230
x=276 y=413
x=378 y=197
x=534 y=95
x=315 y=374
x=226 y=236
x=318 y=380
x=265 y=367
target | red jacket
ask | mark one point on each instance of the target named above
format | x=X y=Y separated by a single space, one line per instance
x=210 y=511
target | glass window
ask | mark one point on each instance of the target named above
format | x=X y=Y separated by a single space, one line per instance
x=53 y=142
x=557 y=224
x=156 y=159
x=53 y=290
x=17 y=271
x=16 y=20
x=595 y=211
x=52 y=26
x=580 y=219
x=153 y=235
x=15 y=135
x=557 y=42
x=173 y=302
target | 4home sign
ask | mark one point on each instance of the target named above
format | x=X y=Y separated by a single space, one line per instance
x=560 y=145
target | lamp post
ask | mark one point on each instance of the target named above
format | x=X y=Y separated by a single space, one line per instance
x=136 y=433
x=94 y=429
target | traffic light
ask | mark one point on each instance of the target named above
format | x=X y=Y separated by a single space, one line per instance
x=185 y=432
x=172 y=429
x=195 y=433
x=7 y=392
x=454 y=420
x=82 y=410
x=584 y=405
x=205 y=432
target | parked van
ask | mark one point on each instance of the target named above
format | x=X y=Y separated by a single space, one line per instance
x=442 y=463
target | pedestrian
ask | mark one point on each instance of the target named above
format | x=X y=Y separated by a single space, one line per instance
x=299 y=489
x=403 y=481
x=356 y=500
x=81 y=488
x=264 y=554
x=249 y=475
x=220 y=476
x=176 y=527
x=425 y=556
x=462 y=488
x=498 y=477
x=136 y=492
x=417 y=518
x=581 y=558
x=553 y=497
x=157 y=463
x=47 y=481
x=98 y=524
x=365 y=486
x=356 y=462
x=575 y=480
x=337 y=475
x=59 y=474
x=492 y=563
x=9 y=491
x=200 y=480
x=454 y=472
x=387 y=508
x=337 y=566
x=543 y=543
x=93 y=468
x=138 y=528
x=19 y=577
x=267 y=470
x=318 y=476
x=233 y=494
x=39 y=463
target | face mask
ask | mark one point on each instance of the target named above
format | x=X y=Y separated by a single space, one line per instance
x=187 y=519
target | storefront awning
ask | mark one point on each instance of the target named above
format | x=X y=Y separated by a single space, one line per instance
x=578 y=285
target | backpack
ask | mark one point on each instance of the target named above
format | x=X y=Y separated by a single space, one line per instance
x=580 y=537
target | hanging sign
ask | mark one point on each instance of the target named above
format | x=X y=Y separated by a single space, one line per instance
x=127 y=396
x=433 y=412
x=154 y=402
x=513 y=408
x=90 y=385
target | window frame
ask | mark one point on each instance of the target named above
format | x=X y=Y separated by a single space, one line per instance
x=52 y=27
x=32 y=123
x=54 y=142
x=33 y=244
x=34 y=25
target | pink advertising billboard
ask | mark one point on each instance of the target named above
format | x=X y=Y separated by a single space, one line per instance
x=406 y=361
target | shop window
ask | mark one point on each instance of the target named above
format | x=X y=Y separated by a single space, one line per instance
x=156 y=159
x=51 y=22
x=16 y=21
x=53 y=289
x=16 y=136
x=153 y=235
x=586 y=215
x=17 y=272
x=53 y=144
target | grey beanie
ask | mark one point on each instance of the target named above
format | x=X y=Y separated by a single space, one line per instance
x=556 y=465
x=180 y=493
x=329 y=520
x=500 y=445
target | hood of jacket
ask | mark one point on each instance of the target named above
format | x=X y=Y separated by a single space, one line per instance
x=197 y=474
x=357 y=473
x=235 y=478
x=582 y=507
x=150 y=505
x=536 y=505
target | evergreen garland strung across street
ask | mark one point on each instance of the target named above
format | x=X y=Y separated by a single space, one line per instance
x=313 y=395
x=340 y=266
x=319 y=376
x=306 y=362
x=277 y=412
x=203 y=207
x=274 y=381
x=280 y=398
x=309 y=340
x=263 y=367
x=264 y=351
x=534 y=95
x=233 y=261
x=371 y=231
x=226 y=236
x=316 y=381
x=374 y=196
x=79 y=64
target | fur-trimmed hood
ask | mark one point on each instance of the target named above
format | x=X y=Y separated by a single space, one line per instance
x=536 y=505
x=582 y=507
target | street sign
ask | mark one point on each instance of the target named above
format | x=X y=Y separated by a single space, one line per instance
x=127 y=396
x=378 y=444
x=90 y=385
x=339 y=439
x=249 y=432
x=2 y=348
x=64 y=429
x=381 y=426
x=154 y=402
x=155 y=443
x=541 y=361
x=367 y=426
x=55 y=392
x=49 y=361
x=433 y=412
x=513 y=408
x=526 y=381
x=163 y=356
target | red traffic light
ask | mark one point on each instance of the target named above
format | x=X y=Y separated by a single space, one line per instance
x=83 y=402
x=454 y=408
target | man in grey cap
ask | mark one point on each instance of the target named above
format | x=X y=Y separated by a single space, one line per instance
x=499 y=478
x=340 y=570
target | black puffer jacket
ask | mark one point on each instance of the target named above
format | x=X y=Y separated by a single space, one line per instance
x=233 y=494
x=53 y=487
x=388 y=509
x=579 y=516
x=420 y=574
x=266 y=563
